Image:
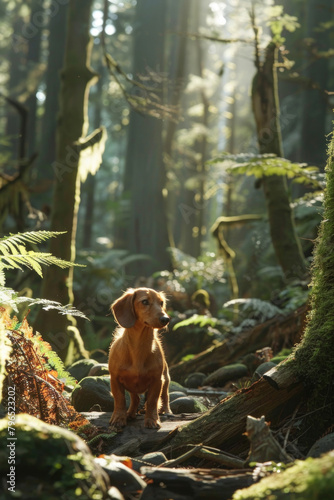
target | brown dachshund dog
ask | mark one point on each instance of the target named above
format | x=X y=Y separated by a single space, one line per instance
x=136 y=359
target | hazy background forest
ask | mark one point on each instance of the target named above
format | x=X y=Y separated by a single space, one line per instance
x=169 y=190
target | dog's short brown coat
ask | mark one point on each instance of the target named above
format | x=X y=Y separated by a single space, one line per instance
x=136 y=359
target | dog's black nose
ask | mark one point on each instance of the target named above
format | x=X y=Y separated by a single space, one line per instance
x=164 y=320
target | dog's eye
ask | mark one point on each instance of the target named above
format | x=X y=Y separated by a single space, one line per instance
x=145 y=302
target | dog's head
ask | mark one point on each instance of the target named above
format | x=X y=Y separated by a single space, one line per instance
x=142 y=305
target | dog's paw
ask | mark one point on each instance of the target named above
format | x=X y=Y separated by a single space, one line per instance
x=118 y=421
x=152 y=423
x=131 y=415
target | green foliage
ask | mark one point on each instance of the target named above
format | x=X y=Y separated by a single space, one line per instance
x=14 y=255
x=53 y=362
x=197 y=319
x=190 y=274
x=293 y=296
x=278 y=22
x=268 y=165
x=250 y=312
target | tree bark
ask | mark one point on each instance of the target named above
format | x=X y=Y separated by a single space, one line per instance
x=266 y=112
x=145 y=169
x=47 y=147
x=76 y=79
x=315 y=108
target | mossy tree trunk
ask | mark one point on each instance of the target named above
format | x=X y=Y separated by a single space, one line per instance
x=76 y=79
x=266 y=112
x=307 y=375
x=314 y=356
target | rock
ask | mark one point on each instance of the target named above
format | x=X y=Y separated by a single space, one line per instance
x=195 y=380
x=176 y=395
x=229 y=372
x=93 y=391
x=121 y=476
x=99 y=355
x=175 y=386
x=187 y=404
x=323 y=445
x=154 y=458
x=81 y=368
x=98 y=370
x=50 y=462
x=262 y=369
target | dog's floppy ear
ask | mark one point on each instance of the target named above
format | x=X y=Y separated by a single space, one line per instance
x=123 y=309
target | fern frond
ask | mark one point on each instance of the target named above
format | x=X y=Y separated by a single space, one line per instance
x=10 y=298
x=15 y=256
x=8 y=244
x=196 y=319
x=34 y=260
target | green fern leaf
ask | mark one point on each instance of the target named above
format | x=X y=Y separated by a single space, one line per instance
x=9 y=243
x=15 y=256
x=197 y=319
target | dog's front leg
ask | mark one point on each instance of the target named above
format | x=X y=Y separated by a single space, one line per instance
x=118 y=418
x=151 y=419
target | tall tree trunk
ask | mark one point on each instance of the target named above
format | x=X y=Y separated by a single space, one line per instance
x=145 y=167
x=177 y=72
x=314 y=102
x=190 y=207
x=90 y=183
x=33 y=59
x=17 y=74
x=76 y=78
x=47 y=147
x=266 y=112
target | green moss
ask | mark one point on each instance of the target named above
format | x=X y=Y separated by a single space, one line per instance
x=50 y=462
x=311 y=479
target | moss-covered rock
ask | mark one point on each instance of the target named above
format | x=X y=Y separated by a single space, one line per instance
x=229 y=372
x=80 y=369
x=262 y=369
x=323 y=445
x=187 y=405
x=175 y=386
x=49 y=463
x=195 y=380
x=312 y=479
x=99 y=370
x=93 y=391
x=176 y=395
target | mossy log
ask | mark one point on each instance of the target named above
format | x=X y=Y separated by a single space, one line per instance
x=276 y=333
x=224 y=425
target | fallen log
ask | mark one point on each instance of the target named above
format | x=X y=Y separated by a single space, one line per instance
x=278 y=332
x=224 y=425
x=184 y=484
